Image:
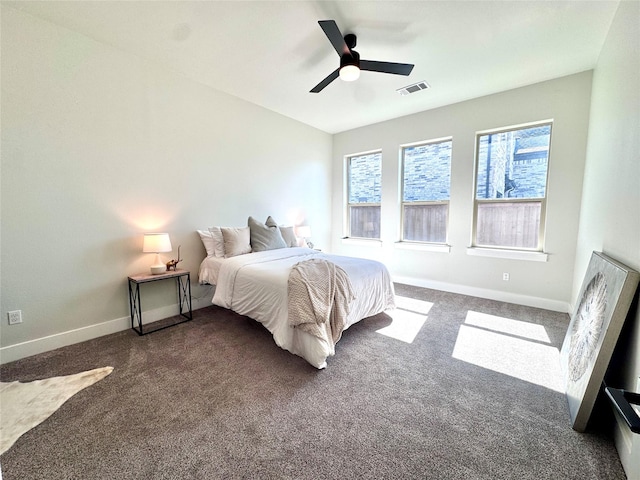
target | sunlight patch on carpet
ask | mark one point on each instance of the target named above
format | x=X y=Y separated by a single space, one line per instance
x=511 y=347
x=26 y=405
x=413 y=305
x=530 y=331
x=407 y=319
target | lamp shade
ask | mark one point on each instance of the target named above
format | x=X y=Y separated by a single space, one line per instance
x=349 y=73
x=156 y=243
x=303 y=231
x=350 y=66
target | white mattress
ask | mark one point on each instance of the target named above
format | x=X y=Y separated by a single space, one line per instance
x=255 y=285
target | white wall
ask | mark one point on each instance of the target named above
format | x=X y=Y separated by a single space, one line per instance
x=99 y=146
x=610 y=215
x=546 y=284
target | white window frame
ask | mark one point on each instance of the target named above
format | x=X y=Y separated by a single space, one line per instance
x=403 y=203
x=349 y=205
x=539 y=248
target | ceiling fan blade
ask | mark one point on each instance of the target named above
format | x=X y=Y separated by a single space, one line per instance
x=330 y=78
x=386 y=67
x=336 y=38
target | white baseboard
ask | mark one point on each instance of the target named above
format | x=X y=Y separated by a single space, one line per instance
x=17 y=351
x=529 y=301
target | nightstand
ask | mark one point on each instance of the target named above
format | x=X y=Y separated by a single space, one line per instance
x=183 y=284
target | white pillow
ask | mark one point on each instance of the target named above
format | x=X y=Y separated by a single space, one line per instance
x=207 y=241
x=236 y=241
x=218 y=241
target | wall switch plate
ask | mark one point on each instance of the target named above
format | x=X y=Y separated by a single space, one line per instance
x=15 y=317
x=505 y=277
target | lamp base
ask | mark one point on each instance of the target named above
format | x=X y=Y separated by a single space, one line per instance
x=158 y=269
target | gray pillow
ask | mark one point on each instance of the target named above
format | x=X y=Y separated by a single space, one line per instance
x=289 y=236
x=236 y=241
x=265 y=237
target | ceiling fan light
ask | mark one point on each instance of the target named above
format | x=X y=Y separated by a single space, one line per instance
x=349 y=73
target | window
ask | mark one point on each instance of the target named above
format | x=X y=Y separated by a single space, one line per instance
x=511 y=187
x=364 y=175
x=426 y=180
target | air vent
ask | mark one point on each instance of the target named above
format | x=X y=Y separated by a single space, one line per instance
x=413 y=88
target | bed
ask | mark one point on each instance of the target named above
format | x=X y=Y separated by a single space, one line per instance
x=256 y=285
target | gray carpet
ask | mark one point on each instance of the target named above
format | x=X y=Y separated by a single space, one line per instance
x=216 y=398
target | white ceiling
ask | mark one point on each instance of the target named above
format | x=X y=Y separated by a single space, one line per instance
x=272 y=53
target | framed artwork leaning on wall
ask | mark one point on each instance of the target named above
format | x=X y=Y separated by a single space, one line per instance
x=602 y=306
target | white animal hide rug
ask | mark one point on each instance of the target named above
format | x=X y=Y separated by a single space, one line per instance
x=25 y=405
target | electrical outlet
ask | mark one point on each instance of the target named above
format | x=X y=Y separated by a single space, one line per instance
x=15 y=317
x=505 y=277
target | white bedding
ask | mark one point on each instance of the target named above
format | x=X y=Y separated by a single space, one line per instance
x=209 y=269
x=255 y=285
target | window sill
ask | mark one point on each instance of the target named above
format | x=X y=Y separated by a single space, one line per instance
x=423 y=247
x=366 y=242
x=510 y=254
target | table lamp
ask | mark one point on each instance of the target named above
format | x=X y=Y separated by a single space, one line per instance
x=304 y=231
x=157 y=243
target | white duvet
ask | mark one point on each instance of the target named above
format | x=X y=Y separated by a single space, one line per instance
x=255 y=285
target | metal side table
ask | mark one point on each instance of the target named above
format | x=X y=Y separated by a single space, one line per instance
x=183 y=283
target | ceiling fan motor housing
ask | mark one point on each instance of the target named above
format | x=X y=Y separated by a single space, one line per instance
x=352 y=58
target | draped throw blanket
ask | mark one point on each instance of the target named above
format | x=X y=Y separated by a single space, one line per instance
x=319 y=296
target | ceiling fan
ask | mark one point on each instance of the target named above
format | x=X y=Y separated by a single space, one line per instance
x=350 y=63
